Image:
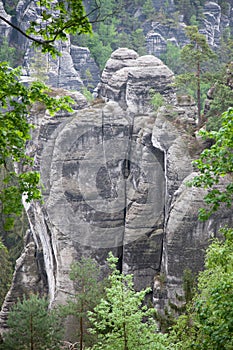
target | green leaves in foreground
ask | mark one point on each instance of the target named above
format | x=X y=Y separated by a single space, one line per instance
x=121 y=320
x=15 y=103
x=215 y=163
x=57 y=19
x=209 y=322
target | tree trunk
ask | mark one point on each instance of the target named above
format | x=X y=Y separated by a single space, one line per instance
x=31 y=334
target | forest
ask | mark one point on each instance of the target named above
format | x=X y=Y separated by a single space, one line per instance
x=109 y=313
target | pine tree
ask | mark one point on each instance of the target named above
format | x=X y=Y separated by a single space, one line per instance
x=32 y=326
x=194 y=55
x=88 y=291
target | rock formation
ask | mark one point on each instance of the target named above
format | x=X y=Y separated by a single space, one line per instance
x=114 y=176
x=213 y=24
x=73 y=70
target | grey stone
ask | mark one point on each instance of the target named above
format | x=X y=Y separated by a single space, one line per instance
x=128 y=79
x=114 y=176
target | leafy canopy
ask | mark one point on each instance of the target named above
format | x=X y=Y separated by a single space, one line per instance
x=214 y=164
x=88 y=286
x=194 y=55
x=209 y=322
x=121 y=320
x=56 y=19
x=16 y=99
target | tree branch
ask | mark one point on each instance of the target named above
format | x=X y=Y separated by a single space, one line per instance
x=21 y=31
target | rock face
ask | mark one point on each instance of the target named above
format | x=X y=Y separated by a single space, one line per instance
x=213 y=24
x=73 y=70
x=114 y=176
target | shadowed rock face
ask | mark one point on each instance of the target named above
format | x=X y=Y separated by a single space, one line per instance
x=114 y=176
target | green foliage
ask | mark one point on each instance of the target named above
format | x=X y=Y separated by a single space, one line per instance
x=214 y=305
x=5 y=272
x=215 y=163
x=32 y=326
x=39 y=67
x=58 y=19
x=190 y=9
x=99 y=51
x=198 y=50
x=138 y=42
x=157 y=100
x=221 y=97
x=118 y=29
x=7 y=53
x=87 y=94
x=88 y=291
x=16 y=100
x=148 y=9
x=120 y=320
x=209 y=323
x=172 y=58
x=222 y=100
x=10 y=6
x=195 y=55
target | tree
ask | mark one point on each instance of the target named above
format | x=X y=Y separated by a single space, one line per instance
x=157 y=100
x=120 y=320
x=209 y=324
x=221 y=97
x=88 y=291
x=32 y=326
x=190 y=9
x=194 y=55
x=39 y=67
x=215 y=163
x=172 y=58
x=5 y=272
x=15 y=102
x=57 y=19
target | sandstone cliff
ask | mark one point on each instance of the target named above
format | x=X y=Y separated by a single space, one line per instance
x=114 y=176
x=76 y=67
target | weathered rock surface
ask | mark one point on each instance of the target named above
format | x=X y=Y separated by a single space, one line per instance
x=73 y=70
x=213 y=24
x=114 y=176
x=128 y=80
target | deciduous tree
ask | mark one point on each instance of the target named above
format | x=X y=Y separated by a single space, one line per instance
x=209 y=323
x=121 y=320
x=215 y=163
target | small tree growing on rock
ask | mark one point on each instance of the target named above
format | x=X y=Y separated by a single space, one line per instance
x=194 y=55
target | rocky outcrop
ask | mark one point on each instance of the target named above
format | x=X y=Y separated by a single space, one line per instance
x=73 y=70
x=213 y=24
x=128 y=79
x=114 y=176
